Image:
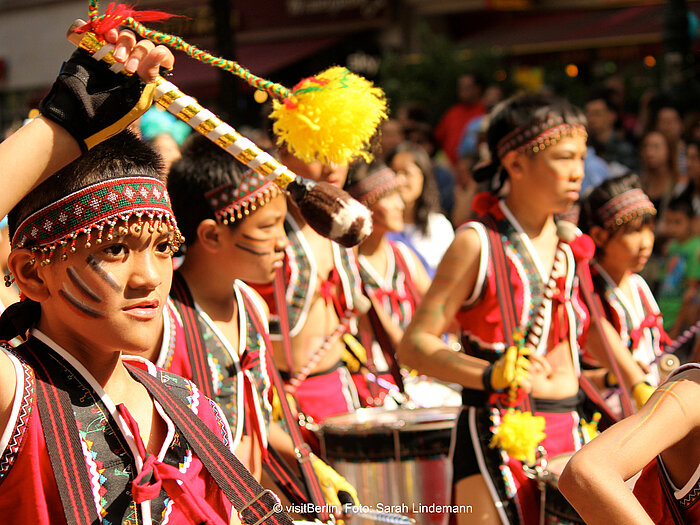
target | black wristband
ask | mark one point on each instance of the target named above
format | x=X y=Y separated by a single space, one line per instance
x=486 y=379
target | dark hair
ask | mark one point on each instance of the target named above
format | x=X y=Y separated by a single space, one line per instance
x=607 y=95
x=429 y=199
x=360 y=170
x=123 y=155
x=681 y=204
x=203 y=167
x=607 y=190
x=519 y=112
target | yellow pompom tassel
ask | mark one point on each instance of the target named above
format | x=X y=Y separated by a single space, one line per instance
x=330 y=117
x=519 y=434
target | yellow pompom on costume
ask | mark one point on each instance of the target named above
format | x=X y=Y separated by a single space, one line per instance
x=519 y=434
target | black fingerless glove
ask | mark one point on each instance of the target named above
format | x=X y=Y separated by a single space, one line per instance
x=93 y=103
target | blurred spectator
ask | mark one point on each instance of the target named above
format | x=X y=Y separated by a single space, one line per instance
x=469 y=105
x=425 y=229
x=604 y=133
x=692 y=191
x=668 y=120
x=418 y=131
x=391 y=134
x=659 y=172
x=678 y=292
x=164 y=132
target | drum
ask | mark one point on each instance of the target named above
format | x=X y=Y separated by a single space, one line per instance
x=398 y=460
x=556 y=508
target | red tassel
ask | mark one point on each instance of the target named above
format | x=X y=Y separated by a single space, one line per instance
x=116 y=15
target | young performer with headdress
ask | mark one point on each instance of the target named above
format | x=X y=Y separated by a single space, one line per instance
x=509 y=281
x=234 y=222
x=317 y=299
x=619 y=216
x=87 y=435
x=664 y=436
x=392 y=276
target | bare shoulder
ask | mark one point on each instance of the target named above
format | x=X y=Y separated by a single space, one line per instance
x=8 y=384
x=461 y=260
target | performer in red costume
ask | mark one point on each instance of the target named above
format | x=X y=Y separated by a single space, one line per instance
x=537 y=146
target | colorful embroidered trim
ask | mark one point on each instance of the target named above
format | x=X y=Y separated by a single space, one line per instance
x=230 y=203
x=624 y=208
x=95 y=207
x=538 y=135
x=374 y=187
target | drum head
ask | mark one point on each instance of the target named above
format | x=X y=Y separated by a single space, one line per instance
x=375 y=434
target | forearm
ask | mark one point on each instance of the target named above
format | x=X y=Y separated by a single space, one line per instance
x=600 y=495
x=629 y=369
x=428 y=354
x=30 y=155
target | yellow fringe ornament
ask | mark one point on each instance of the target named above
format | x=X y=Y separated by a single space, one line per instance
x=589 y=429
x=330 y=117
x=519 y=435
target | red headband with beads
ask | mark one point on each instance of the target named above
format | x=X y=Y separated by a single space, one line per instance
x=538 y=135
x=93 y=209
x=370 y=190
x=230 y=202
x=625 y=207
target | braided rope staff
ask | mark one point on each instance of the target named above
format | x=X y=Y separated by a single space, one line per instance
x=328 y=210
x=329 y=117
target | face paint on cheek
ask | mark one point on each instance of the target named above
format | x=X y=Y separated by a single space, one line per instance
x=107 y=277
x=78 y=304
x=81 y=285
x=259 y=247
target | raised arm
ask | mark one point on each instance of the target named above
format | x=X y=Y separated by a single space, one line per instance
x=43 y=146
x=594 y=479
x=422 y=347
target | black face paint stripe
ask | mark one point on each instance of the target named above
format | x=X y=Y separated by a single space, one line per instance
x=250 y=250
x=82 y=285
x=256 y=239
x=96 y=265
x=79 y=305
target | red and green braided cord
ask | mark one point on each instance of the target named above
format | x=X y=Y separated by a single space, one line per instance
x=272 y=88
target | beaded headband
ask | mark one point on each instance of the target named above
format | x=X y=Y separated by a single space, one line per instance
x=97 y=207
x=538 y=135
x=231 y=203
x=625 y=207
x=370 y=190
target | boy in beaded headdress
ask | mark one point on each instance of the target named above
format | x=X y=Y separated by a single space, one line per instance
x=86 y=435
x=509 y=281
x=234 y=224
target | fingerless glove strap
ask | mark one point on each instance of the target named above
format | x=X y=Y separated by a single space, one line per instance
x=93 y=103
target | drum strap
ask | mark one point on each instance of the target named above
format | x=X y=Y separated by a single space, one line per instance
x=504 y=292
x=596 y=309
x=254 y=504
x=194 y=340
x=387 y=348
x=281 y=305
x=310 y=489
x=671 y=501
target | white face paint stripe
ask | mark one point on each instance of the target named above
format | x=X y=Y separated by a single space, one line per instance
x=81 y=285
